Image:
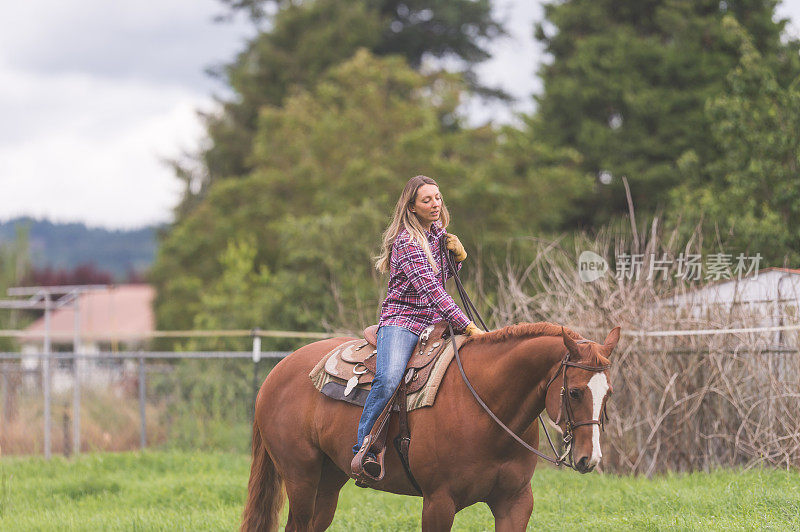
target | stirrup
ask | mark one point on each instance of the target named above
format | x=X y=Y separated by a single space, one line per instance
x=371 y=466
x=357 y=464
x=365 y=468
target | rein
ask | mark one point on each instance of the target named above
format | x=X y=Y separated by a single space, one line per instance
x=448 y=261
x=570 y=423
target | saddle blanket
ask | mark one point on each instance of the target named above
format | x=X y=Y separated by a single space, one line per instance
x=336 y=387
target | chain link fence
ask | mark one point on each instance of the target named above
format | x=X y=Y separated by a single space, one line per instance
x=683 y=402
x=119 y=401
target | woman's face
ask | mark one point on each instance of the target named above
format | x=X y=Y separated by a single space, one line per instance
x=428 y=205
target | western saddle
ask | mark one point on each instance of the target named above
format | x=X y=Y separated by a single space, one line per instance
x=356 y=361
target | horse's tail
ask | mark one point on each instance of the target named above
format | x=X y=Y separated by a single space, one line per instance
x=264 y=491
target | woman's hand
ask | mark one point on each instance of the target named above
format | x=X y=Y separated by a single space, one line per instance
x=454 y=245
x=473 y=330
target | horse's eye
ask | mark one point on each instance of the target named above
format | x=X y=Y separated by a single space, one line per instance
x=575 y=393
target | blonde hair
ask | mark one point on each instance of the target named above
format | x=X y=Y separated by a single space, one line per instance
x=405 y=219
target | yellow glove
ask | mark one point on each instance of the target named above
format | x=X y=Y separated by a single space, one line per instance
x=454 y=245
x=472 y=330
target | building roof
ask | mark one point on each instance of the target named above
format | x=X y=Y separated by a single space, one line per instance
x=785 y=270
x=119 y=313
x=766 y=287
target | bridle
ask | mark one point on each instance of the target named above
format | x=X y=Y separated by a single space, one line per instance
x=570 y=424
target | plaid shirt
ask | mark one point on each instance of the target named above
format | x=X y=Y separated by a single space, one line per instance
x=416 y=296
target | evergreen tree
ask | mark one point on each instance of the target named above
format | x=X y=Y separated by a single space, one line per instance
x=752 y=193
x=628 y=83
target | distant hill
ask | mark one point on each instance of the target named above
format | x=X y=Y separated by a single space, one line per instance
x=70 y=245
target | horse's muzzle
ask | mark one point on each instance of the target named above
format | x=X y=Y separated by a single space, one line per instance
x=583 y=465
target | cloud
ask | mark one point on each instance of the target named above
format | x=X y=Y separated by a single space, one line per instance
x=165 y=42
x=94 y=95
x=94 y=149
x=515 y=60
x=789 y=9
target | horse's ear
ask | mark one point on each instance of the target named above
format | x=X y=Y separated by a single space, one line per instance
x=611 y=341
x=572 y=347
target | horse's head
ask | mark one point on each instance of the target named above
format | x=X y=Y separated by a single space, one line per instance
x=577 y=395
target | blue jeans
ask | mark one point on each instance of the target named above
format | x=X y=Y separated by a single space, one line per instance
x=395 y=346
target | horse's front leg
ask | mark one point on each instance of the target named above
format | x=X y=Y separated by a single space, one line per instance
x=438 y=511
x=512 y=511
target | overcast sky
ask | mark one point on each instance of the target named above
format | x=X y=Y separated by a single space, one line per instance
x=94 y=95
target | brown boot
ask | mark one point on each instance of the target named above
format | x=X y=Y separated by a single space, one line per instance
x=366 y=465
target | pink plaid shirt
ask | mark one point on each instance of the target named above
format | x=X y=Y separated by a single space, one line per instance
x=416 y=296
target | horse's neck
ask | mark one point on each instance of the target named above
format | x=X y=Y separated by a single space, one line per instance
x=513 y=376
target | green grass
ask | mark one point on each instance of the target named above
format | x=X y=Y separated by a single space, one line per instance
x=205 y=491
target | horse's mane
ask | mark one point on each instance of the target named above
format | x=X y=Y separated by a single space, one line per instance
x=529 y=330
x=524 y=330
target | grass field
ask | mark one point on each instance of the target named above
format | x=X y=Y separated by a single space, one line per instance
x=205 y=491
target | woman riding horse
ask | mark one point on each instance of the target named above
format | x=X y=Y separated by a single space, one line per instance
x=416 y=297
x=463 y=449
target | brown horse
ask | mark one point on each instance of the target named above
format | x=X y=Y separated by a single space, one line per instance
x=458 y=454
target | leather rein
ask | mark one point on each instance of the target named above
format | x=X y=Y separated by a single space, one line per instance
x=448 y=261
x=570 y=423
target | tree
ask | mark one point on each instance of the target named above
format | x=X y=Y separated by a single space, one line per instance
x=303 y=40
x=628 y=83
x=411 y=28
x=328 y=166
x=752 y=193
x=323 y=172
x=82 y=274
x=15 y=263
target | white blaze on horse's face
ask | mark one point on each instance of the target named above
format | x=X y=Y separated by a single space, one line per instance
x=598 y=386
